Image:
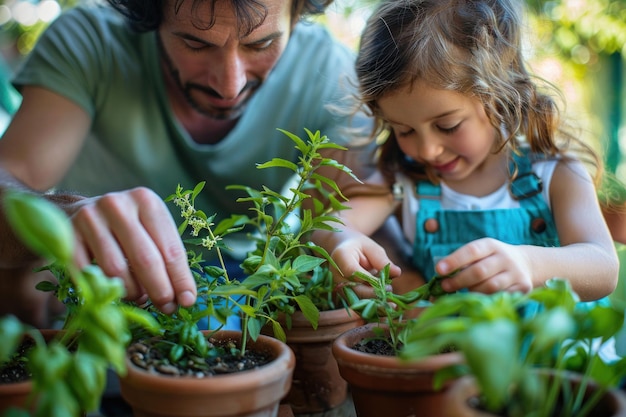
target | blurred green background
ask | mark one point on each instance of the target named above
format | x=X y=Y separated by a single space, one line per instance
x=579 y=45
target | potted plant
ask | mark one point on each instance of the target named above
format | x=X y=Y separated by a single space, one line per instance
x=612 y=197
x=317 y=386
x=285 y=276
x=62 y=372
x=185 y=371
x=380 y=381
x=301 y=305
x=536 y=354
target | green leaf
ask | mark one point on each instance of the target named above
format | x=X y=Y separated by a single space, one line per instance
x=278 y=331
x=300 y=144
x=57 y=401
x=51 y=362
x=41 y=225
x=308 y=309
x=608 y=374
x=278 y=162
x=254 y=327
x=306 y=263
x=87 y=376
x=600 y=321
x=46 y=286
x=257 y=280
x=140 y=317
x=11 y=333
x=551 y=327
x=197 y=189
x=498 y=341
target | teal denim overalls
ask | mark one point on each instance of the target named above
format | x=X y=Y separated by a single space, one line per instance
x=530 y=224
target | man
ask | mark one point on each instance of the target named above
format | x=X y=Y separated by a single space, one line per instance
x=192 y=90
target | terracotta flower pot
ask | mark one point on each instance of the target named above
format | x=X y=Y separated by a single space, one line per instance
x=387 y=386
x=14 y=395
x=18 y=394
x=252 y=393
x=615 y=218
x=462 y=390
x=317 y=385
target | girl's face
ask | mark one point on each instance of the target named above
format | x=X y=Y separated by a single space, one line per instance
x=444 y=130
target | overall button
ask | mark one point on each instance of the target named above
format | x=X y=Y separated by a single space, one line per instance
x=538 y=225
x=431 y=225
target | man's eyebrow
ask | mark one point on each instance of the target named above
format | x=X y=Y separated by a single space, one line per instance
x=191 y=37
x=270 y=37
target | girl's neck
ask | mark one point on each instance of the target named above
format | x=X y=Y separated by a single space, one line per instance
x=488 y=177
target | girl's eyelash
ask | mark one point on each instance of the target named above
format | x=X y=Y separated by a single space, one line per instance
x=450 y=129
x=445 y=130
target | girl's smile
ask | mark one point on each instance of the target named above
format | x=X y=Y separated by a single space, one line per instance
x=447 y=167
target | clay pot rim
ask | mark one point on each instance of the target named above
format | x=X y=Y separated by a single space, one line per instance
x=349 y=357
x=271 y=372
x=24 y=387
x=327 y=318
x=465 y=388
x=16 y=387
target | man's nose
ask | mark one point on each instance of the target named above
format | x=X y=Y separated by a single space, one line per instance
x=231 y=75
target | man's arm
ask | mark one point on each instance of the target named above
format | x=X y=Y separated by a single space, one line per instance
x=18 y=295
x=129 y=234
x=35 y=152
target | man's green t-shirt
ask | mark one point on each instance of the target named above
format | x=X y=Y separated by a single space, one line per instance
x=92 y=57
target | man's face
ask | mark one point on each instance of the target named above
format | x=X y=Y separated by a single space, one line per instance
x=217 y=70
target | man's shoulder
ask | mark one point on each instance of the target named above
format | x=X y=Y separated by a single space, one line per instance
x=313 y=38
x=94 y=14
x=91 y=31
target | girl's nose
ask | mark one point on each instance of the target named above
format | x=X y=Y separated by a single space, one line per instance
x=429 y=148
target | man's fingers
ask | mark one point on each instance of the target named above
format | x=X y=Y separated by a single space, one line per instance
x=162 y=230
x=95 y=242
x=132 y=235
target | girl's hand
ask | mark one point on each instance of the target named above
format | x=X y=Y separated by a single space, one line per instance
x=358 y=252
x=486 y=265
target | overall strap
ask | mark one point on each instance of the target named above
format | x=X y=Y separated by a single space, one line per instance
x=526 y=184
x=429 y=194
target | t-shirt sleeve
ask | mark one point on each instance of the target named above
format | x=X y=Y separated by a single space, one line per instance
x=68 y=59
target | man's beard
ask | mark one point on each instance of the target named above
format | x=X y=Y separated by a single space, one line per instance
x=230 y=113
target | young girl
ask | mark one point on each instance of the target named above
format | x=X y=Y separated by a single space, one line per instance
x=491 y=189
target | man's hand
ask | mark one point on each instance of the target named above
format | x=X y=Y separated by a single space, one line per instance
x=131 y=235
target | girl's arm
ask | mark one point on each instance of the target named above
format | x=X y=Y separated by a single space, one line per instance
x=587 y=256
x=351 y=246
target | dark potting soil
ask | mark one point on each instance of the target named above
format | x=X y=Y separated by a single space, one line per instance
x=149 y=355
x=376 y=346
x=15 y=370
x=383 y=347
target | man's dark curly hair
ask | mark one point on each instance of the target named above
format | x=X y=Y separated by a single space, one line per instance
x=146 y=15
